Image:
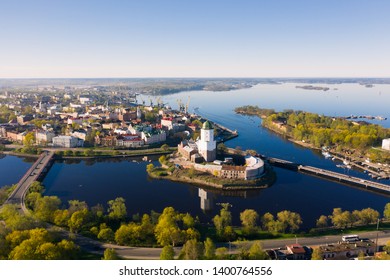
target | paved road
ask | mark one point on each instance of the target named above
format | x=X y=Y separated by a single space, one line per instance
x=143 y=253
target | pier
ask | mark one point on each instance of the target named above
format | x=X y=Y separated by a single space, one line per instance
x=34 y=173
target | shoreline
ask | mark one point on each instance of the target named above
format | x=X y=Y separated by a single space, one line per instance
x=263 y=182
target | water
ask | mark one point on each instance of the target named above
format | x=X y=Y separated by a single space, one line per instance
x=12 y=169
x=98 y=182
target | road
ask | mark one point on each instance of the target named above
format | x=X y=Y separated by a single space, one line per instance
x=144 y=253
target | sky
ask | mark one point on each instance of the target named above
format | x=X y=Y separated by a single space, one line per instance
x=198 y=38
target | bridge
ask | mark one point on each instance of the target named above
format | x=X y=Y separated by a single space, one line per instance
x=40 y=166
x=335 y=176
x=327 y=174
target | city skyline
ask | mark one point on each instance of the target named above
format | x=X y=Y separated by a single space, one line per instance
x=179 y=39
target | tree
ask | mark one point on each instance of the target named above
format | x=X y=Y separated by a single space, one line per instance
x=117 y=209
x=188 y=221
x=167 y=232
x=150 y=167
x=29 y=139
x=129 y=234
x=192 y=250
x=78 y=220
x=316 y=255
x=167 y=253
x=46 y=207
x=106 y=234
x=268 y=221
x=110 y=254
x=223 y=220
x=249 y=219
x=368 y=216
x=341 y=219
x=209 y=249
x=289 y=220
x=162 y=159
x=256 y=252
x=76 y=205
x=61 y=217
x=386 y=212
x=322 y=221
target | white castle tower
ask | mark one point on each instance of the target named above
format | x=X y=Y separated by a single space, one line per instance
x=207 y=146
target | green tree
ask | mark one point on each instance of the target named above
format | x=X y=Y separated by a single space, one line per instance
x=167 y=253
x=150 y=167
x=78 y=220
x=46 y=207
x=106 y=234
x=209 y=249
x=61 y=217
x=256 y=252
x=192 y=250
x=322 y=221
x=110 y=254
x=368 y=216
x=268 y=221
x=223 y=220
x=289 y=220
x=341 y=219
x=167 y=231
x=316 y=255
x=76 y=205
x=162 y=159
x=117 y=209
x=249 y=219
x=29 y=139
x=386 y=212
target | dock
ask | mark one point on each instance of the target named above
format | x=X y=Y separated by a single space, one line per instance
x=34 y=173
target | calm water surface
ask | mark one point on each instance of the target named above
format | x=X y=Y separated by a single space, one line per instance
x=98 y=182
x=12 y=169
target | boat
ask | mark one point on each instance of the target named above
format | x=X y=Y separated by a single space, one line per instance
x=326 y=154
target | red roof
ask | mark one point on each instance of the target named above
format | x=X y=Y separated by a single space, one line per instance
x=296 y=249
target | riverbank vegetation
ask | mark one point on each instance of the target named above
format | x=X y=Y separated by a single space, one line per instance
x=318 y=131
x=113 y=223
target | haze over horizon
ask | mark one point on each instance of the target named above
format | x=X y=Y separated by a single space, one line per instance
x=195 y=39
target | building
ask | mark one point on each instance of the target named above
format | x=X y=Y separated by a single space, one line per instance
x=233 y=172
x=43 y=137
x=155 y=136
x=23 y=119
x=207 y=146
x=386 y=144
x=345 y=250
x=67 y=141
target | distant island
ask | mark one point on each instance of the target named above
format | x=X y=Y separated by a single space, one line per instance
x=310 y=87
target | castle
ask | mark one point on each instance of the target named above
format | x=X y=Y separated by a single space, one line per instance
x=205 y=150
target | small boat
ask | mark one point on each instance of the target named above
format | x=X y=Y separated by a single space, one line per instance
x=326 y=154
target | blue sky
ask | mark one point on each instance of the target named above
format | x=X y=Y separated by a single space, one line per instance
x=199 y=38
